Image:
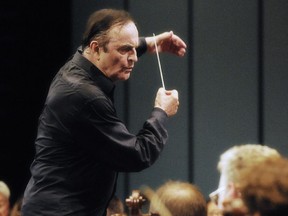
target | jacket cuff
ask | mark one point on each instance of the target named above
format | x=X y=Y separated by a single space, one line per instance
x=160 y=114
x=142 y=48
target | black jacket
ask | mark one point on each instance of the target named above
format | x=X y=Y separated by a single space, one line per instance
x=81 y=145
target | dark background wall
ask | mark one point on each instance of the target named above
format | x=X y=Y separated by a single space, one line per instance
x=35 y=42
x=232 y=83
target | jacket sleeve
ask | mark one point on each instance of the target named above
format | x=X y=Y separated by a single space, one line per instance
x=111 y=143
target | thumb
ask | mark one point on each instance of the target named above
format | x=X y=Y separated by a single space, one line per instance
x=174 y=93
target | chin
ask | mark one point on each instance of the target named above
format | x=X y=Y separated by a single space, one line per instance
x=126 y=77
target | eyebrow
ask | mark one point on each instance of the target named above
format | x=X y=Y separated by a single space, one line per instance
x=127 y=46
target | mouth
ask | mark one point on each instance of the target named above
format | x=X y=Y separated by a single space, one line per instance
x=128 y=69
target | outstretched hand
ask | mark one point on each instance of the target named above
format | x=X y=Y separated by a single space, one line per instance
x=167 y=42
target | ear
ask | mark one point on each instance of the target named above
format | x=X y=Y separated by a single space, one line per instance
x=94 y=46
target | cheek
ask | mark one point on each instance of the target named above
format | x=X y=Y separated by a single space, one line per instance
x=111 y=60
x=118 y=63
x=115 y=61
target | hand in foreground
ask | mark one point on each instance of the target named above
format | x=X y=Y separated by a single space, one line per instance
x=167 y=42
x=167 y=101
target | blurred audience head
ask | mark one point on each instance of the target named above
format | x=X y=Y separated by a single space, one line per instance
x=180 y=198
x=264 y=188
x=233 y=164
x=115 y=207
x=4 y=199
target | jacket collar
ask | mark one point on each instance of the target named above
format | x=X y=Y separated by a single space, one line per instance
x=105 y=84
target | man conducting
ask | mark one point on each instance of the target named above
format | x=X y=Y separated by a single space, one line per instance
x=81 y=144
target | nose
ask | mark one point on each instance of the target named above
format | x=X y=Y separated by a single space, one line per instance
x=133 y=55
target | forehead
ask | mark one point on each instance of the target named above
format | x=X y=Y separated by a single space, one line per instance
x=126 y=34
x=3 y=199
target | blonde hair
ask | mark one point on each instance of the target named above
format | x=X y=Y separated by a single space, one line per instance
x=265 y=188
x=4 y=189
x=235 y=161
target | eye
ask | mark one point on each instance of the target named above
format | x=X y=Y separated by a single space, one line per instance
x=125 y=49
